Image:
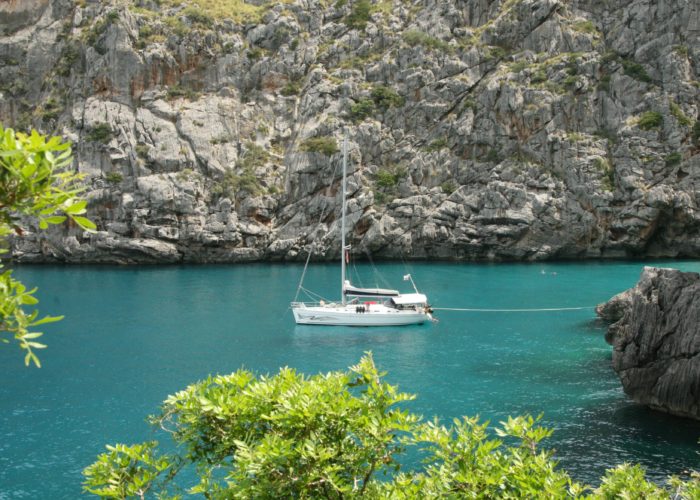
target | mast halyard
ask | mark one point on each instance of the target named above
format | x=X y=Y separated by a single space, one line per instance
x=343 y=248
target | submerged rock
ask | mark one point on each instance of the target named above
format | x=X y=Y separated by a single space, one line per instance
x=656 y=340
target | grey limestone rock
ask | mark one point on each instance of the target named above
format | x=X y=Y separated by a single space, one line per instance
x=656 y=340
x=500 y=130
x=15 y=16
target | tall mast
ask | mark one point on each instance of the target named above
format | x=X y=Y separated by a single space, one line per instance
x=343 y=249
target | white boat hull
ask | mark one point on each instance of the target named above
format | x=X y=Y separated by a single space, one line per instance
x=349 y=315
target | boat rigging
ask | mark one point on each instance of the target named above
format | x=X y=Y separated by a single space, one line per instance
x=388 y=307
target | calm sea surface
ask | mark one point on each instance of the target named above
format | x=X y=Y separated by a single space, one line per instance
x=134 y=335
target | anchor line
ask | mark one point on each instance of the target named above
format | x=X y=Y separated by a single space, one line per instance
x=546 y=309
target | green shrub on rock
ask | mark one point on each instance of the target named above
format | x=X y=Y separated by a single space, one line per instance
x=292 y=87
x=635 y=70
x=114 y=177
x=359 y=16
x=362 y=109
x=650 y=120
x=677 y=112
x=233 y=183
x=325 y=145
x=673 y=159
x=607 y=171
x=448 y=187
x=386 y=97
x=436 y=145
x=415 y=37
x=100 y=132
x=390 y=176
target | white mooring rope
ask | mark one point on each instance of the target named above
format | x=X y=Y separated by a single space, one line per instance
x=547 y=309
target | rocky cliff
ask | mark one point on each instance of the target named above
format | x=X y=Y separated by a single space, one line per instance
x=209 y=130
x=656 y=340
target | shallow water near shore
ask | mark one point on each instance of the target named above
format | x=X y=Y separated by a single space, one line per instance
x=131 y=336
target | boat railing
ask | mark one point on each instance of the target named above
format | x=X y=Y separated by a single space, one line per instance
x=296 y=305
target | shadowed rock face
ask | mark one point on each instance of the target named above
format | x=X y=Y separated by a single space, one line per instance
x=656 y=340
x=18 y=14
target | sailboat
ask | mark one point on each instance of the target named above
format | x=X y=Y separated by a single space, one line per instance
x=363 y=306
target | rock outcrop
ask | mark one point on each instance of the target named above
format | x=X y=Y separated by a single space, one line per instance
x=656 y=340
x=507 y=129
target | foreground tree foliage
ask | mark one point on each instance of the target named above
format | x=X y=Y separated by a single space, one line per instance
x=341 y=435
x=34 y=184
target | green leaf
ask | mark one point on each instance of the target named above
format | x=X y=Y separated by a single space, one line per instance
x=32 y=335
x=47 y=211
x=85 y=223
x=29 y=169
x=76 y=208
x=28 y=300
x=55 y=219
x=46 y=319
x=31 y=357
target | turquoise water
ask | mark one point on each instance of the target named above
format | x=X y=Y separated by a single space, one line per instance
x=134 y=335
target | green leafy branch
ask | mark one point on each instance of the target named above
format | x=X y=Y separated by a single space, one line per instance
x=34 y=183
x=129 y=471
x=341 y=435
x=15 y=320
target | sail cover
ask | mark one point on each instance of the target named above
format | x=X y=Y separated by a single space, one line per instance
x=369 y=292
x=410 y=298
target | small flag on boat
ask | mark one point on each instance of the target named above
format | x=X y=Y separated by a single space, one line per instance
x=406 y=277
x=347 y=257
